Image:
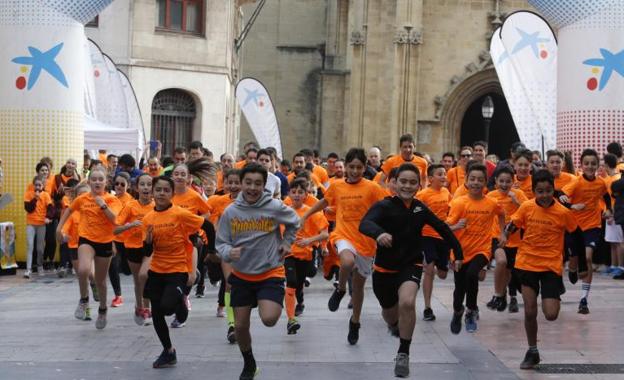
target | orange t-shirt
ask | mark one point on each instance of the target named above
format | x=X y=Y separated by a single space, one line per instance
x=94 y=224
x=455 y=178
x=133 y=211
x=438 y=202
x=396 y=161
x=321 y=174
x=476 y=237
x=591 y=194
x=173 y=251
x=240 y=164
x=65 y=202
x=219 y=181
x=620 y=166
x=505 y=202
x=50 y=185
x=217 y=204
x=70 y=229
x=351 y=202
x=541 y=248
x=38 y=216
x=526 y=185
x=313 y=226
x=563 y=179
x=191 y=201
x=124 y=199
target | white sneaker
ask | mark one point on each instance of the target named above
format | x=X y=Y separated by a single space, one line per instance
x=139 y=317
x=27 y=273
x=176 y=325
x=41 y=272
x=83 y=311
x=100 y=322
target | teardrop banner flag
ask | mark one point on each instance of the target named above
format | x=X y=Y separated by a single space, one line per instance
x=255 y=102
x=532 y=51
x=519 y=105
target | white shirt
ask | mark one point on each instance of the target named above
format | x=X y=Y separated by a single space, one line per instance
x=273 y=185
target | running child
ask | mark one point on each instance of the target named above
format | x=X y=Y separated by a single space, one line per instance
x=522 y=167
x=396 y=223
x=351 y=199
x=130 y=225
x=121 y=186
x=249 y=238
x=98 y=211
x=436 y=251
x=539 y=261
x=471 y=217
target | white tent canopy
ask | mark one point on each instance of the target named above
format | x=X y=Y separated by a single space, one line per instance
x=118 y=141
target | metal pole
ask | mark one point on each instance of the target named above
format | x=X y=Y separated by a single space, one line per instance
x=487 y=130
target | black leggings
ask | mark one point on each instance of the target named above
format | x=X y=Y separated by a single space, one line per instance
x=467 y=283
x=296 y=271
x=165 y=291
x=113 y=269
x=50 y=241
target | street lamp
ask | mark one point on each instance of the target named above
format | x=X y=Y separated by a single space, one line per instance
x=487 y=111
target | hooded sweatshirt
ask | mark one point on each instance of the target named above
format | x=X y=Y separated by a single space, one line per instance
x=256 y=228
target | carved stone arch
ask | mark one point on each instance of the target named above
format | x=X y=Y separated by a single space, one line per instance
x=460 y=98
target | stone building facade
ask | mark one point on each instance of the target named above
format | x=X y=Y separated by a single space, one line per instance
x=348 y=73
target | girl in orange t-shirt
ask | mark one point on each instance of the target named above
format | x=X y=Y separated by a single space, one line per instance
x=129 y=224
x=173 y=261
x=121 y=184
x=351 y=199
x=39 y=210
x=522 y=166
x=98 y=210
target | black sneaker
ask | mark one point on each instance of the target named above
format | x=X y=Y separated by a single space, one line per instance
x=231 y=335
x=619 y=276
x=428 y=315
x=350 y=305
x=531 y=359
x=573 y=276
x=583 y=308
x=307 y=282
x=502 y=304
x=334 y=300
x=249 y=372
x=456 y=322
x=166 y=359
x=513 y=305
x=299 y=309
x=354 y=332
x=199 y=292
x=492 y=303
x=292 y=326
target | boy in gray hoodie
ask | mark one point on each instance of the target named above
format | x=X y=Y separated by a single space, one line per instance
x=249 y=238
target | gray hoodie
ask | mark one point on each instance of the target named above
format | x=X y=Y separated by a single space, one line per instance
x=256 y=228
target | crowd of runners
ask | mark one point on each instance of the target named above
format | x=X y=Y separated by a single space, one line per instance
x=259 y=227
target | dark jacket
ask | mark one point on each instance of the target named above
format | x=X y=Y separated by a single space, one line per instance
x=617 y=190
x=405 y=224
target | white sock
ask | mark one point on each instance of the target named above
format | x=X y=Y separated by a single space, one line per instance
x=585 y=287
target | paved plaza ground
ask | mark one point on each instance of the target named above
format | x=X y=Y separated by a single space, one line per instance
x=42 y=340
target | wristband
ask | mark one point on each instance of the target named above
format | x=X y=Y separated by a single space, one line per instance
x=104 y=207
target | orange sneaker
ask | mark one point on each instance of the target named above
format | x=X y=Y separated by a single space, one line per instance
x=117 y=301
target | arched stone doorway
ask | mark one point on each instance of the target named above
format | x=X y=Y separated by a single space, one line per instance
x=463 y=105
x=173 y=116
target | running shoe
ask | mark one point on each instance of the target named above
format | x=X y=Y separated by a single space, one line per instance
x=117 y=301
x=166 y=359
x=471 y=321
x=394 y=330
x=96 y=296
x=513 y=305
x=27 y=273
x=619 y=276
x=350 y=305
x=177 y=324
x=292 y=326
x=307 y=282
x=334 y=300
x=336 y=283
x=401 y=365
x=428 y=315
x=199 y=292
x=61 y=272
x=220 y=312
x=187 y=301
x=147 y=316
x=616 y=272
x=492 y=303
x=502 y=304
x=139 y=316
x=354 y=332
x=41 y=271
x=299 y=309
x=573 y=276
x=249 y=372
x=231 y=335
x=83 y=311
x=456 y=322
x=531 y=360
x=583 y=308
x=100 y=322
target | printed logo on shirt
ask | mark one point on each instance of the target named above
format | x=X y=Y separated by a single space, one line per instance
x=417 y=209
x=238 y=226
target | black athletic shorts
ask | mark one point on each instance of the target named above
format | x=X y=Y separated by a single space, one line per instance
x=510 y=253
x=101 y=249
x=592 y=237
x=135 y=255
x=386 y=285
x=296 y=271
x=73 y=254
x=550 y=283
x=247 y=293
x=436 y=251
x=157 y=282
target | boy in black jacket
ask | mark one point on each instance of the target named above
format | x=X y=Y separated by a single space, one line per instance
x=396 y=224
